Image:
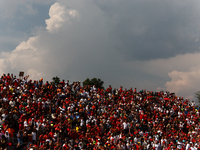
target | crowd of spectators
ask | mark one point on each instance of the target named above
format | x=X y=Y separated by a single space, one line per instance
x=67 y=116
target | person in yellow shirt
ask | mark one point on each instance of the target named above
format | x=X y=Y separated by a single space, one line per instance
x=77 y=127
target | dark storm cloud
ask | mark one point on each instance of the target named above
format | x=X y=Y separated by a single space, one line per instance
x=145 y=30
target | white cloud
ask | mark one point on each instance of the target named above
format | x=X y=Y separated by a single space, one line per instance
x=27 y=45
x=184 y=83
x=23 y=57
x=58 y=14
x=161 y=67
x=179 y=74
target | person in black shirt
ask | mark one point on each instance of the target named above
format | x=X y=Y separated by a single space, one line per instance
x=3 y=142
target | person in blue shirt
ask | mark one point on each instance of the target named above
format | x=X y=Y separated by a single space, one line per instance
x=19 y=138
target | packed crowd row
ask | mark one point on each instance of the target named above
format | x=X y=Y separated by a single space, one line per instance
x=68 y=116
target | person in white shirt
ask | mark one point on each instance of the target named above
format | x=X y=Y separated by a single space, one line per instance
x=157 y=145
x=179 y=144
x=187 y=145
x=125 y=127
x=191 y=146
x=34 y=136
x=193 y=103
x=12 y=103
x=7 y=136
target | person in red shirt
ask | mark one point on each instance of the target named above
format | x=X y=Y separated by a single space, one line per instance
x=51 y=133
x=65 y=146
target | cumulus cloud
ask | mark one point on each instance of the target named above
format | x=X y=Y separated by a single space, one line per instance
x=24 y=57
x=184 y=83
x=179 y=74
x=58 y=14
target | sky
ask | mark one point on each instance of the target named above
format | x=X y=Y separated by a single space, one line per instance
x=152 y=45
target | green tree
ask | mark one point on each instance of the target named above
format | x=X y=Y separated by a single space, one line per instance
x=98 y=82
x=56 y=80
